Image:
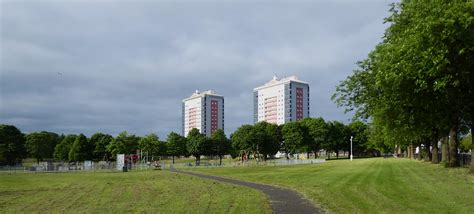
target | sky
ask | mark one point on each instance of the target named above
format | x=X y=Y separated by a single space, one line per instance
x=111 y=66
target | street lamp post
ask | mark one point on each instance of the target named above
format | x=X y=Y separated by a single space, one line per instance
x=351 y=148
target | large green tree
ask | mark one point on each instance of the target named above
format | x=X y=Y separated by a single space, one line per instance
x=100 y=142
x=176 y=145
x=61 y=151
x=337 y=138
x=317 y=131
x=124 y=143
x=220 y=144
x=243 y=141
x=294 y=137
x=359 y=132
x=417 y=84
x=152 y=146
x=197 y=144
x=12 y=145
x=268 y=138
x=41 y=145
x=81 y=149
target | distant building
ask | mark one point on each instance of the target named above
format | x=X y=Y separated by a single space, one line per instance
x=204 y=111
x=281 y=100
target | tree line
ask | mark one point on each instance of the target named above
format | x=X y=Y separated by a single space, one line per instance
x=417 y=86
x=261 y=141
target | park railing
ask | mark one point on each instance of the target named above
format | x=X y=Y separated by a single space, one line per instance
x=272 y=162
x=62 y=167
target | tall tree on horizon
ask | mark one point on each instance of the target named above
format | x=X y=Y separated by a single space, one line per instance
x=124 y=143
x=40 y=145
x=81 y=149
x=62 y=149
x=220 y=144
x=197 y=144
x=176 y=145
x=12 y=145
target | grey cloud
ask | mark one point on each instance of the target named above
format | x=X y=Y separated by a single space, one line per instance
x=111 y=66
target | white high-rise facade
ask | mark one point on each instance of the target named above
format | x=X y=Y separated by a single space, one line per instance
x=204 y=111
x=281 y=100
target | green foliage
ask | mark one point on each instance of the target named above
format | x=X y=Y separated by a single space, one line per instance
x=317 y=133
x=294 y=137
x=100 y=142
x=12 y=145
x=61 y=151
x=337 y=137
x=176 y=145
x=220 y=143
x=151 y=145
x=41 y=145
x=197 y=144
x=124 y=143
x=243 y=139
x=268 y=138
x=418 y=83
x=360 y=133
x=81 y=149
x=466 y=143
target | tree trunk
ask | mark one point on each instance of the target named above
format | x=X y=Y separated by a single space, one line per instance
x=411 y=152
x=427 y=150
x=173 y=159
x=444 y=151
x=419 y=152
x=315 y=154
x=198 y=160
x=220 y=160
x=453 y=147
x=337 y=154
x=434 y=152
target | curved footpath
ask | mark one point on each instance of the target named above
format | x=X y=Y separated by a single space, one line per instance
x=282 y=200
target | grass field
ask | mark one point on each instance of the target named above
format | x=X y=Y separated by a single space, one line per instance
x=374 y=185
x=145 y=191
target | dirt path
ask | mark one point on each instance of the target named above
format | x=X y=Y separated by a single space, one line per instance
x=282 y=200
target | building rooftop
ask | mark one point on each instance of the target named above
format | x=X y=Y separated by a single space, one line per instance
x=198 y=93
x=276 y=81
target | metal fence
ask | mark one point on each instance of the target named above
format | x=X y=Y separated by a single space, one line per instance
x=62 y=167
x=272 y=162
x=111 y=166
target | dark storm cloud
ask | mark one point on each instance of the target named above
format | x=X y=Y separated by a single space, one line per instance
x=111 y=66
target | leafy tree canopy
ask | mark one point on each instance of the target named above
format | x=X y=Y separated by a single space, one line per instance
x=12 y=145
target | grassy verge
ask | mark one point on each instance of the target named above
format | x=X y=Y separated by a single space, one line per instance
x=374 y=185
x=145 y=191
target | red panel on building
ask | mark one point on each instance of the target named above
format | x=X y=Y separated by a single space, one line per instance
x=214 y=115
x=299 y=103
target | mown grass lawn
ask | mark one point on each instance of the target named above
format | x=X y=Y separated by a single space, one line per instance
x=116 y=192
x=373 y=185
